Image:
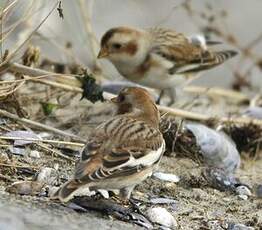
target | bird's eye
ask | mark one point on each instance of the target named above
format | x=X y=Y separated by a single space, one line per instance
x=116 y=46
x=121 y=98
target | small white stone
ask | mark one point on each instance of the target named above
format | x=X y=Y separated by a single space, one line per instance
x=242 y=197
x=104 y=193
x=34 y=154
x=241 y=227
x=166 y=177
x=47 y=176
x=7 y=77
x=243 y=190
x=161 y=216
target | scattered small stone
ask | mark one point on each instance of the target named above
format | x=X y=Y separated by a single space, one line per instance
x=166 y=177
x=243 y=190
x=47 y=176
x=34 y=154
x=242 y=197
x=104 y=193
x=259 y=191
x=162 y=217
x=26 y=188
x=17 y=150
x=160 y=200
x=233 y=226
x=219 y=179
x=254 y=112
x=7 y=77
x=22 y=134
x=52 y=190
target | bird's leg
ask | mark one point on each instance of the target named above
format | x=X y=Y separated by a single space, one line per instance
x=160 y=96
x=172 y=95
x=125 y=193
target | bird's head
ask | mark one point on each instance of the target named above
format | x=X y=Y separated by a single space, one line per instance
x=137 y=103
x=123 y=45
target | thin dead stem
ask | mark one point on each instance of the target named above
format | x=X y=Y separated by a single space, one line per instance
x=38 y=125
x=77 y=144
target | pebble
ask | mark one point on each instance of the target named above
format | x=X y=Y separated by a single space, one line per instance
x=104 y=193
x=160 y=200
x=34 y=154
x=162 y=217
x=166 y=177
x=259 y=191
x=25 y=187
x=17 y=150
x=47 y=176
x=243 y=190
x=233 y=226
x=7 y=77
x=242 y=197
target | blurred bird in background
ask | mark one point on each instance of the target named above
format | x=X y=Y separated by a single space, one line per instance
x=160 y=58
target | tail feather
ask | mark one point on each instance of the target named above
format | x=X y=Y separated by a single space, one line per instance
x=212 y=60
x=67 y=191
x=222 y=56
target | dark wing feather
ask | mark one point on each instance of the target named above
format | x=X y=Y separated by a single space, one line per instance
x=186 y=56
x=134 y=140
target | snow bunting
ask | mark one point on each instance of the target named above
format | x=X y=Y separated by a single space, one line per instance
x=121 y=152
x=159 y=58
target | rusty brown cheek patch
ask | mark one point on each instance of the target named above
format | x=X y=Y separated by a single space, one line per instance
x=131 y=48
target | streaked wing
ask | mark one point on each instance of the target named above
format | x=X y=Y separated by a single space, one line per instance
x=136 y=146
x=185 y=55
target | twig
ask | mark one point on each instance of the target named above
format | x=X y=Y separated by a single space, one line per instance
x=18 y=166
x=57 y=85
x=55 y=152
x=5 y=9
x=215 y=91
x=4 y=177
x=184 y=113
x=44 y=141
x=34 y=72
x=38 y=125
x=12 y=90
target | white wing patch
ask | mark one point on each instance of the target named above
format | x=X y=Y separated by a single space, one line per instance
x=147 y=160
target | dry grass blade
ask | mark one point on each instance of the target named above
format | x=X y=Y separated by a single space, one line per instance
x=18 y=166
x=38 y=125
x=7 y=8
x=10 y=89
x=52 y=150
x=44 y=141
x=215 y=91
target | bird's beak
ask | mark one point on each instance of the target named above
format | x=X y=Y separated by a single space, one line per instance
x=103 y=53
x=114 y=99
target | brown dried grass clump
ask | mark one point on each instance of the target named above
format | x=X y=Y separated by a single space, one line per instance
x=248 y=138
x=179 y=140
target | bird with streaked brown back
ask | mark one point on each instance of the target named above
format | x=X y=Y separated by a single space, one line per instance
x=121 y=152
